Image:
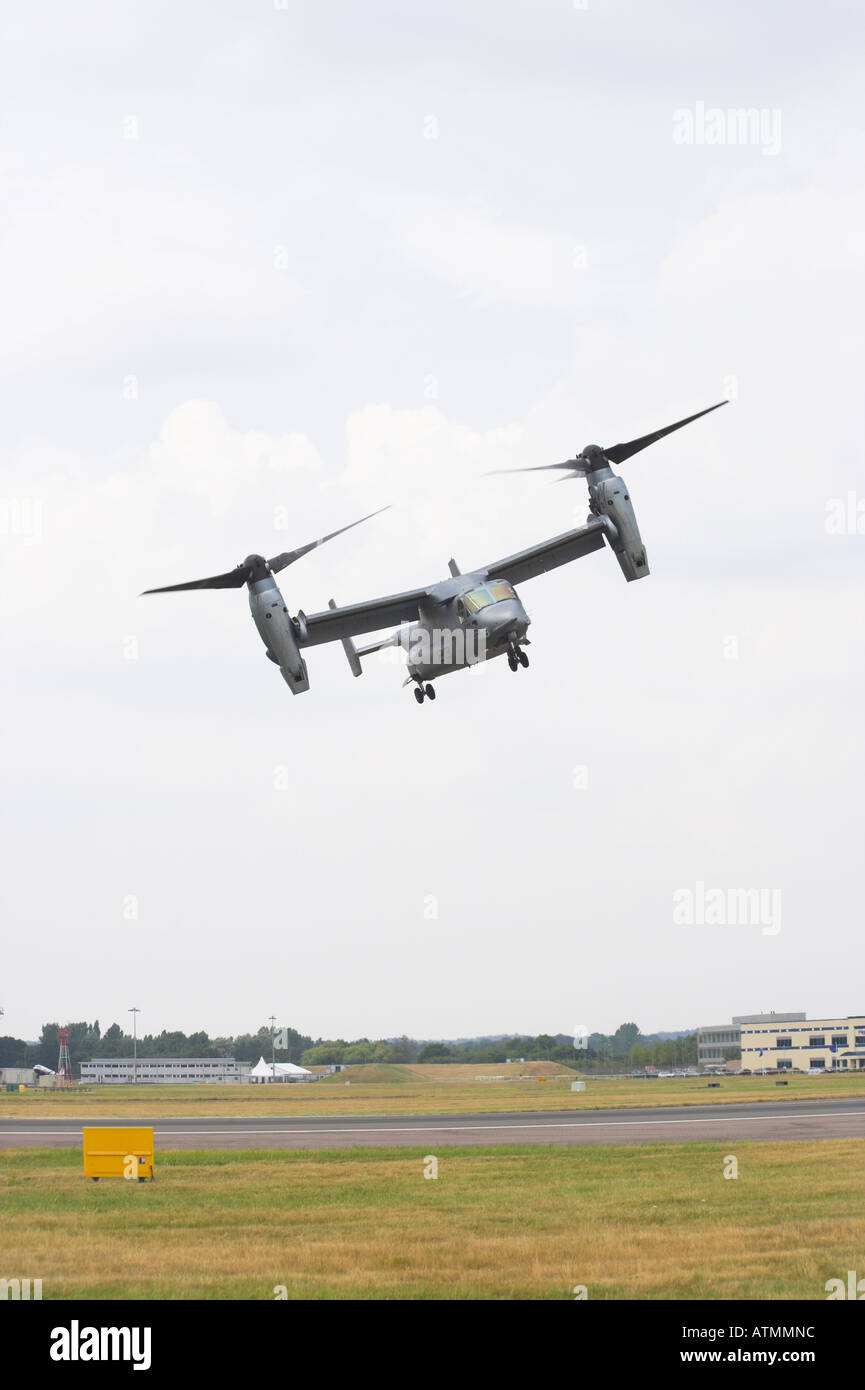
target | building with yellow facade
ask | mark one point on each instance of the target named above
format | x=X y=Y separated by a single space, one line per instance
x=784 y=1042
x=818 y=1044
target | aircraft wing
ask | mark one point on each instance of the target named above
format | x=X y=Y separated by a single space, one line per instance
x=339 y=623
x=548 y=555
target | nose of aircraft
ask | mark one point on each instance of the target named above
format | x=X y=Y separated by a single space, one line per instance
x=503 y=621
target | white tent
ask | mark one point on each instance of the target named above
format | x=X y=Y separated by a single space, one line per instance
x=279 y=1071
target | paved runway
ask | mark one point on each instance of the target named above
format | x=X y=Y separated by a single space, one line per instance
x=827 y=1119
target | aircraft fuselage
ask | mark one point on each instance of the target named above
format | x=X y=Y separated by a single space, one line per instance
x=465 y=620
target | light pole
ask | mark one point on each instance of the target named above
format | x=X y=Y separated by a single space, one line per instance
x=134 y=1012
x=273 y=1045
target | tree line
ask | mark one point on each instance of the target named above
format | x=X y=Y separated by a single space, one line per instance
x=86 y=1041
x=626 y=1048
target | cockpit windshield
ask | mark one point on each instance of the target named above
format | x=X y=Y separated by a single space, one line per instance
x=490 y=593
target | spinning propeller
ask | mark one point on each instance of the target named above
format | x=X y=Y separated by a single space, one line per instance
x=256 y=567
x=594 y=457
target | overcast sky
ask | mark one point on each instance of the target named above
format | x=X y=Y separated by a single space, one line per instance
x=265 y=268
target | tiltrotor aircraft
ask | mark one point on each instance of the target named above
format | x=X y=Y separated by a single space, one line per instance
x=459 y=621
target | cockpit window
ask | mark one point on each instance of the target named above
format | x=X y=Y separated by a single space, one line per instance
x=479 y=598
x=490 y=593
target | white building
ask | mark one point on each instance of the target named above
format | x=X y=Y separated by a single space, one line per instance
x=13 y=1077
x=123 y=1071
x=17 y=1076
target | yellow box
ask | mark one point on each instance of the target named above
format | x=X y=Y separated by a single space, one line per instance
x=118 y=1153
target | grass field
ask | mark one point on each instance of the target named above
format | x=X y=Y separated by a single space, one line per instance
x=398 y=1090
x=647 y=1222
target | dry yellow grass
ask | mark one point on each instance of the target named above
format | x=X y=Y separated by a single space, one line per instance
x=654 y=1221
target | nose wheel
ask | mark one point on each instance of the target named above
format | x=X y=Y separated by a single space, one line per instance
x=424 y=692
x=517 y=657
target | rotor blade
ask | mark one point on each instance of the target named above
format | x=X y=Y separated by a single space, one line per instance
x=619 y=452
x=288 y=557
x=232 y=580
x=575 y=467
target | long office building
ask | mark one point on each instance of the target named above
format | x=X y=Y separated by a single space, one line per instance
x=715 y=1040
x=195 y=1070
x=820 y=1044
x=785 y=1042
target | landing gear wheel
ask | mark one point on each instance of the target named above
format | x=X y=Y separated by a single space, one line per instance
x=513 y=662
x=419 y=694
x=430 y=692
x=523 y=658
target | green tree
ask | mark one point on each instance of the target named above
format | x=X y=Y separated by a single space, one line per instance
x=626 y=1036
x=14 y=1052
x=324 y=1054
x=113 y=1042
x=404 y=1050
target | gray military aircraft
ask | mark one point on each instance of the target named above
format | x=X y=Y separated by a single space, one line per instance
x=459 y=621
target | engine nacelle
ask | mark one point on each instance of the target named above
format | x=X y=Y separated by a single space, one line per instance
x=610 y=498
x=277 y=632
